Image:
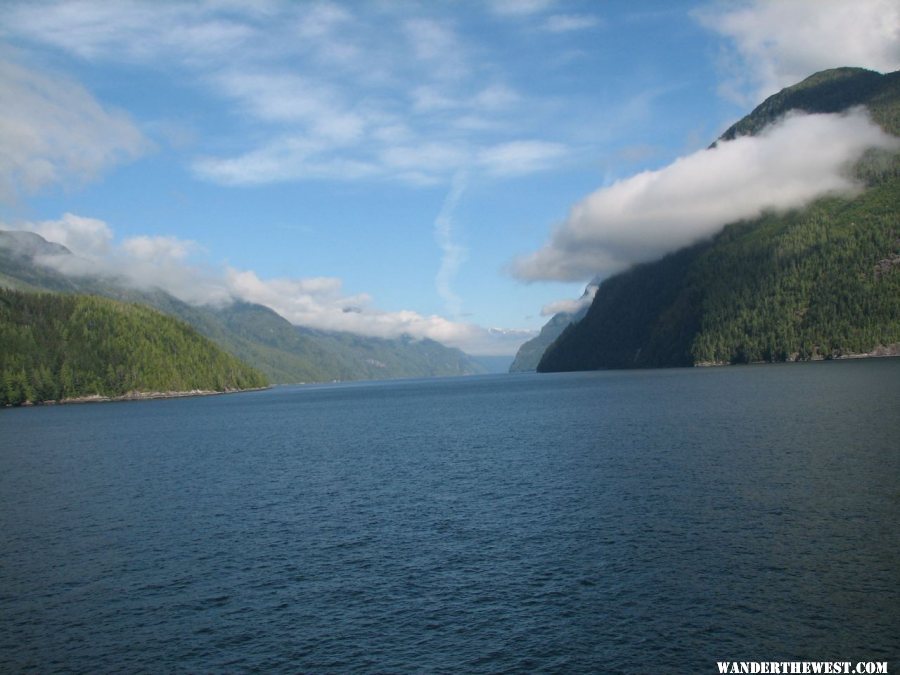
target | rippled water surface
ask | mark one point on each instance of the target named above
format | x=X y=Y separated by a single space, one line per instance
x=652 y=521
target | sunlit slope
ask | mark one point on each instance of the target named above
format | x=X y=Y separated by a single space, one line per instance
x=61 y=346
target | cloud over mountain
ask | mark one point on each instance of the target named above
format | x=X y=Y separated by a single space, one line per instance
x=167 y=263
x=793 y=161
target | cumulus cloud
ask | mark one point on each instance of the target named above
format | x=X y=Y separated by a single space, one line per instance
x=142 y=261
x=774 y=44
x=54 y=132
x=86 y=237
x=647 y=215
x=167 y=263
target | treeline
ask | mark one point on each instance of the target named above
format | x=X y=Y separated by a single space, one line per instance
x=821 y=282
x=818 y=282
x=60 y=346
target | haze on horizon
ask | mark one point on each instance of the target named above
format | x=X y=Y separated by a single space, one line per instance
x=390 y=168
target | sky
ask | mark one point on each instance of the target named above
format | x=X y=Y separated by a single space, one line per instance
x=456 y=170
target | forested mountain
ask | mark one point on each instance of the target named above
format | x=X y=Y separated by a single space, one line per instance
x=529 y=354
x=62 y=346
x=818 y=282
x=254 y=333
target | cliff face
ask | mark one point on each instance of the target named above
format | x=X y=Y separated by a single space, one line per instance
x=818 y=282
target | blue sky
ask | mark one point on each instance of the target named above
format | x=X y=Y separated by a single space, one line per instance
x=397 y=166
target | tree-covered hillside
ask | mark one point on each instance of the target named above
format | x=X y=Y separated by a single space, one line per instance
x=62 y=346
x=255 y=334
x=818 y=282
x=529 y=354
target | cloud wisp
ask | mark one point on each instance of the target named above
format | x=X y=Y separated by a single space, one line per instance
x=169 y=263
x=55 y=132
x=320 y=91
x=569 y=306
x=640 y=218
x=773 y=44
x=453 y=253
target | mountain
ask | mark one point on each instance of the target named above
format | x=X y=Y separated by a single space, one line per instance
x=64 y=346
x=255 y=334
x=529 y=354
x=817 y=282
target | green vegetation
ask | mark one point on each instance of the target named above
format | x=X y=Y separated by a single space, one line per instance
x=529 y=354
x=828 y=91
x=62 y=346
x=819 y=282
x=255 y=334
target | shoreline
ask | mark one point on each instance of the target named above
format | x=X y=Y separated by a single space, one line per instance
x=136 y=396
x=880 y=352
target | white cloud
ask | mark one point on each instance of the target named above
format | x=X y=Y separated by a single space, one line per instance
x=521 y=7
x=453 y=254
x=566 y=23
x=496 y=97
x=318 y=107
x=520 y=157
x=283 y=159
x=437 y=43
x=321 y=303
x=142 y=261
x=315 y=90
x=53 y=131
x=569 y=306
x=132 y=30
x=85 y=237
x=316 y=302
x=158 y=248
x=775 y=43
x=640 y=218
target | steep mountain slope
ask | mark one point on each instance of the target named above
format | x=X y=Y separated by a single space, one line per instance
x=819 y=282
x=61 y=346
x=529 y=354
x=254 y=333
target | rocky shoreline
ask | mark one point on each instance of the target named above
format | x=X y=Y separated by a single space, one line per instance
x=879 y=352
x=139 y=396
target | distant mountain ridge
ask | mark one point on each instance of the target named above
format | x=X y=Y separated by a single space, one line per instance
x=254 y=333
x=529 y=354
x=818 y=282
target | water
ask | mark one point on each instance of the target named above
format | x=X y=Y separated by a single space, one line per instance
x=652 y=521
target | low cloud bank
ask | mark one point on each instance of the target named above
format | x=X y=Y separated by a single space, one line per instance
x=316 y=302
x=794 y=161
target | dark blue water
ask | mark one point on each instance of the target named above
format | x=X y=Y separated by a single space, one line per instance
x=651 y=521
